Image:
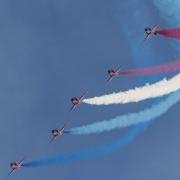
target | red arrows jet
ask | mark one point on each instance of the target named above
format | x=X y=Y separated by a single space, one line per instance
x=16 y=165
x=76 y=101
x=151 y=31
x=57 y=133
x=112 y=73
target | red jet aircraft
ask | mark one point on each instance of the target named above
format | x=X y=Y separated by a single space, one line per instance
x=151 y=31
x=57 y=133
x=16 y=165
x=112 y=73
x=76 y=101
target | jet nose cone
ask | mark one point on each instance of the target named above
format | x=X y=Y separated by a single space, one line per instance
x=72 y=99
x=53 y=131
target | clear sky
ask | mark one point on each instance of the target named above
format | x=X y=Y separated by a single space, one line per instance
x=52 y=50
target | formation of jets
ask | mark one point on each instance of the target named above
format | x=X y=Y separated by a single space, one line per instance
x=57 y=132
x=76 y=101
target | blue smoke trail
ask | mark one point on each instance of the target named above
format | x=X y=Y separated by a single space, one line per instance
x=130 y=119
x=91 y=153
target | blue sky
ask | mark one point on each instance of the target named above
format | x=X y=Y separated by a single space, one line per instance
x=51 y=51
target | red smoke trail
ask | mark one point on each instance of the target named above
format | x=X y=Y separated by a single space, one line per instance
x=173 y=33
x=169 y=67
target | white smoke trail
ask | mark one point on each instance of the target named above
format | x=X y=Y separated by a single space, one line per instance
x=147 y=91
x=145 y=115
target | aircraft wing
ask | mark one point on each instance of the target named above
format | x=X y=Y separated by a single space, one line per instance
x=72 y=108
x=83 y=96
x=12 y=171
x=22 y=160
x=146 y=38
x=52 y=140
x=119 y=68
x=110 y=78
x=156 y=26
x=65 y=125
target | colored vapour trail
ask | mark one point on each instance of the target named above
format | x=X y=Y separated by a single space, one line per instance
x=146 y=115
x=172 y=33
x=158 y=89
x=172 y=66
x=93 y=152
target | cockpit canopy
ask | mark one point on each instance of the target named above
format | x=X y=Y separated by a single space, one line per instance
x=12 y=164
x=55 y=131
x=111 y=71
x=147 y=29
x=74 y=99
